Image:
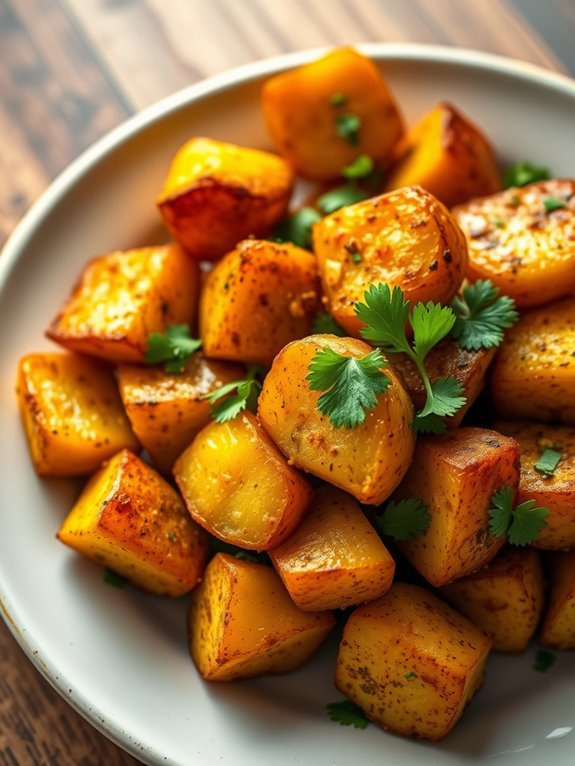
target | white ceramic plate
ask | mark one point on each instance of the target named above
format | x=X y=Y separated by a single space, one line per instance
x=120 y=657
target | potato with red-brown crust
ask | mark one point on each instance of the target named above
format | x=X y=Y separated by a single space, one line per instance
x=558 y=628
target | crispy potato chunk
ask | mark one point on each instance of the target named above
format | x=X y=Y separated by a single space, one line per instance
x=558 y=629
x=239 y=487
x=557 y=492
x=405 y=238
x=455 y=475
x=308 y=109
x=124 y=296
x=216 y=194
x=259 y=297
x=132 y=521
x=523 y=240
x=367 y=461
x=448 y=155
x=242 y=623
x=533 y=375
x=167 y=410
x=334 y=559
x=72 y=413
x=411 y=662
x=505 y=599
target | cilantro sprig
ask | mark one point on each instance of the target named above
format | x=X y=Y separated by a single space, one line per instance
x=482 y=315
x=553 y=203
x=232 y=398
x=521 y=524
x=347 y=713
x=172 y=348
x=524 y=173
x=296 y=228
x=404 y=519
x=341 y=196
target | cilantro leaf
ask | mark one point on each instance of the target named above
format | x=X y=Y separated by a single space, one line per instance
x=350 y=385
x=429 y=424
x=501 y=512
x=482 y=316
x=341 y=196
x=528 y=521
x=404 y=519
x=347 y=713
x=444 y=398
x=347 y=127
x=297 y=227
x=114 y=579
x=173 y=348
x=232 y=398
x=325 y=324
x=410 y=675
x=524 y=173
x=430 y=323
x=361 y=167
x=548 y=462
x=544 y=660
x=384 y=315
x=553 y=203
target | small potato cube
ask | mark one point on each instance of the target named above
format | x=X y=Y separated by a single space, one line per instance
x=167 y=410
x=216 y=194
x=239 y=487
x=259 y=297
x=367 y=461
x=410 y=662
x=455 y=475
x=533 y=375
x=448 y=155
x=405 y=238
x=334 y=559
x=72 y=413
x=132 y=521
x=242 y=623
x=308 y=109
x=504 y=599
x=558 y=629
x=124 y=296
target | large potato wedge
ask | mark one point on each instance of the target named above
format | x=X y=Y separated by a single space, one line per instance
x=558 y=629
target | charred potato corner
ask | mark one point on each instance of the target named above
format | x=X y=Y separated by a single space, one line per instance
x=283 y=407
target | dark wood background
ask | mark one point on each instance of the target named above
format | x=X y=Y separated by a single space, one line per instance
x=72 y=69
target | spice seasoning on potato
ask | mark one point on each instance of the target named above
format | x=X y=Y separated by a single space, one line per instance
x=558 y=629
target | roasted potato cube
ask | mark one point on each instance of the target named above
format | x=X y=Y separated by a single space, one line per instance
x=557 y=492
x=328 y=112
x=242 y=623
x=216 y=194
x=558 y=629
x=448 y=155
x=367 y=461
x=533 y=375
x=455 y=475
x=72 y=413
x=405 y=238
x=523 y=241
x=130 y=520
x=411 y=662
x=334 y=559
x=239 y=487
x=504 y=599
x=167 y=410
x=124 y=296
x=259 y=297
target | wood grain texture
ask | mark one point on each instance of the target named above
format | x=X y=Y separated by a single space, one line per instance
x=72 y=69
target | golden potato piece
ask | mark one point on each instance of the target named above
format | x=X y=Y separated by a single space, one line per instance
x=242 y=623
x=533 y=375
x=123 y=297
x=523 y=240
x=132 y=521
x=259 y=297
x=405 y=238
x=72 y=413
x=367 y=461
x=334 y=559
x=558 y=629
x=216 y=194
x=239 y=487
x=308 y=109
x=504 y=599
x=411 y=662
x=455 y=475
x=448 y=155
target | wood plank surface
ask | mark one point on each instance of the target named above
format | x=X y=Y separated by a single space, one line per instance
x=72 y=69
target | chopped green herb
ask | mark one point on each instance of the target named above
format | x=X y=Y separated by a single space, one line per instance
x=341 y=196
x=482 y=316
x=174 y=348
x=114 y=579
x=499 y=223
x=325 y=324
x=404 y=519
x=544 y=660
x=524 y=173
x=548 y=462
x=361 y=167
x=521 y=524
x=410 y=675
x=232 y=398
x=430 y=424
x=347 y=713
x=553 y=203
x=355 y=256
x=347 y=126
x=297 y=228
x=338 y=99
x=247 y=556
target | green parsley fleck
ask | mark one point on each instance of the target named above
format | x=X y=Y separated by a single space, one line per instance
x=347 y=126
x=524 y=173
x=361 y=167
x=548 y=462
x=232 y=398
x=404 y=519
x=499 y=223
x=114 y=579
x=482 y=315
x=544 y=660
x=341 y=196
x=347 y=713
x=297 y=228
x=337 y=99
x=410 y=675
x=553 y=203
x=172 y=348
x=521 y=524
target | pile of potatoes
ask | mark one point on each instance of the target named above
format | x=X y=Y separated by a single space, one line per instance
x=285 y=480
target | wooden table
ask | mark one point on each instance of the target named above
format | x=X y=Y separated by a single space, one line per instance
x=72 y=69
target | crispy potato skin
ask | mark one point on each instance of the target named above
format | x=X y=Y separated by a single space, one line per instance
x=130 y=520
x=258 y=285
x=72 y=413
x=334 y=559
x=533 y=376
x=242 y=623
x=558 y=629
x=367 y=461
x=448 y=155
x=411 y=662
x=505 y=599
x=216 y=194
x=238 y=485
x=303 y=123
x=405 y=238
x=455 y=475
x=124 y=296
x=525 y=251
